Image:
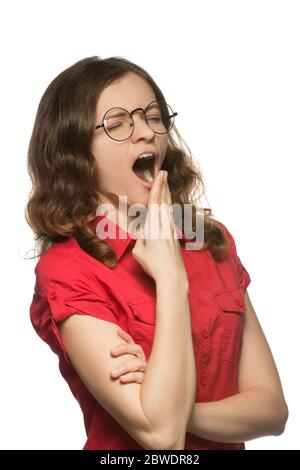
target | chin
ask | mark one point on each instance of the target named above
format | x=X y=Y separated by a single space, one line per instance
x=142 y=199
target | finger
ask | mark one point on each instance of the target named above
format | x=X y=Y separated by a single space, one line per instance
x=169 y=196
x=171 y=212
x=151 y=228
x=137 y=377
x=131 y=365
x=155 y=209
x=153 y=221
x=156 y=188
x=163 y=208
x=163 y=192
x=125 y=335
x=166 y=216
x=134 y=349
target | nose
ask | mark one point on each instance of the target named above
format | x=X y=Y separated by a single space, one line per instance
x=141 y=127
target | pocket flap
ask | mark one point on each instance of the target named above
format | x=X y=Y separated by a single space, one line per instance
x=231 y=300
x=144 y=310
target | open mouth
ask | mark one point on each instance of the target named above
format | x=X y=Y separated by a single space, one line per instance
x=144 y=168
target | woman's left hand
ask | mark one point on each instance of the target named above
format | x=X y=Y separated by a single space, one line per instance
x=133 y=369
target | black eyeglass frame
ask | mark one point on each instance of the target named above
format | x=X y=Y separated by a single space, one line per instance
x=130 y=115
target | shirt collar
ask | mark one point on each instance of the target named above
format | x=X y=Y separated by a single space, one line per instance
x=123 y=238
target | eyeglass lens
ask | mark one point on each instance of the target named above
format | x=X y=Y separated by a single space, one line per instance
x=118 y=123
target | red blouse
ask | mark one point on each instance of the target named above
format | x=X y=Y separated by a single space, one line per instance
x=68 y=281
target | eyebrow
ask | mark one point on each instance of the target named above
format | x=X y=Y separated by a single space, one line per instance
x=154 y=105
x=117 y=114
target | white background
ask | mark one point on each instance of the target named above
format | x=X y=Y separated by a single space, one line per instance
x=231 y=71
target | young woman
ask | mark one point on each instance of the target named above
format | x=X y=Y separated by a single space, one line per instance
x=159 y=343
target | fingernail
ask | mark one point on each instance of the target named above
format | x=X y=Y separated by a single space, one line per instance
x=115 y=371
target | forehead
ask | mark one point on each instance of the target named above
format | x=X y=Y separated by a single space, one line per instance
x=129 y=92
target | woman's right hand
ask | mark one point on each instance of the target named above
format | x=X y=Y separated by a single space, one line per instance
x=160 y=257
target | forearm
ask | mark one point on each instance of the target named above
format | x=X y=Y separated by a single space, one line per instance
x=168 y=391
x=241 y=417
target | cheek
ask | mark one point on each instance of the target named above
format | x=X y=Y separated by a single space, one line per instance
x=163 y=149
x=117 y=179
x=109 y=169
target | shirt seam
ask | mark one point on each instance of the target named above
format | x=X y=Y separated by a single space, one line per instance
x=90 y=276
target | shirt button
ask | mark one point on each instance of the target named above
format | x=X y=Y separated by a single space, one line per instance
x=205 y=334
x=203 y=382
x=53 y=296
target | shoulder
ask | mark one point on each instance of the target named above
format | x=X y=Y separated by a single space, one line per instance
x=65 y=281
x=62 y=266
x=227 y=234
x=242 y=275
x=59 y=259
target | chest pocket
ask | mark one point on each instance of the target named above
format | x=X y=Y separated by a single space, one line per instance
x=232 y=309
x=142 y=323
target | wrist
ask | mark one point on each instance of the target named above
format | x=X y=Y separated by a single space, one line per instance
x=174 y=280
x=191 y=425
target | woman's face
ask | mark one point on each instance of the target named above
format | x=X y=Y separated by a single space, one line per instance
x=115 y=158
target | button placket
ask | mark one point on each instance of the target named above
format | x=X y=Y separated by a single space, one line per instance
x=205 y=347
x=204 y=360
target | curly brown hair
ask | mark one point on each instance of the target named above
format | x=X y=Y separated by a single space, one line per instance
x=65 y=182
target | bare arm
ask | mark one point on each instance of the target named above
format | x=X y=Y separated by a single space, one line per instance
x=260 y=408
x=169 y=389
x=155 y=413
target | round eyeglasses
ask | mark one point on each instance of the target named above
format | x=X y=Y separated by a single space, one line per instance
x=118 y=123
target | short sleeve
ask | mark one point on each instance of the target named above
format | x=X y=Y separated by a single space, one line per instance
x=243 y=277
x=64 y=288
